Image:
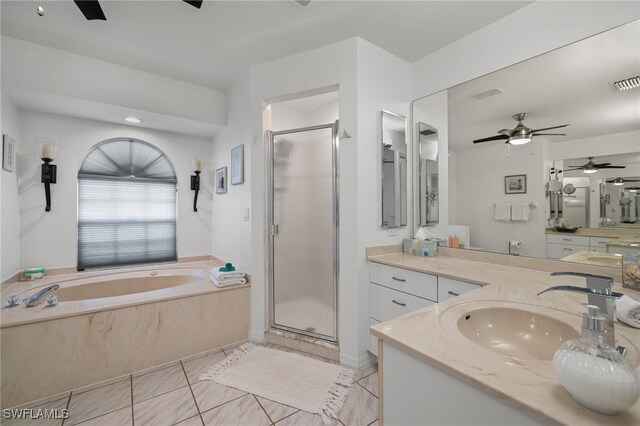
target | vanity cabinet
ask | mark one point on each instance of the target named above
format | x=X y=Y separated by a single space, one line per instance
x=397 y=291
x=599 y=244
x=559 y=246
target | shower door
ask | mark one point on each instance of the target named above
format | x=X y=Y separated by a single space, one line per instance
x=303 y=219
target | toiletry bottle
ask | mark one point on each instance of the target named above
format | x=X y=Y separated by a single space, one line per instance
x=596 y=375
x=450 y=241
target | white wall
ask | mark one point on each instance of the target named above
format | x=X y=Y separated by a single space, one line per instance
x=231 y=234
x=10 y=206
x=49 y=238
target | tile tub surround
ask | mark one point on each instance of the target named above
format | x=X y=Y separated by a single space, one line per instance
x=175 y=395
x=532 y=388
x=46 y=357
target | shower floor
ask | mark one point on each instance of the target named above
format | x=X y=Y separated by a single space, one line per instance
x=306 y=315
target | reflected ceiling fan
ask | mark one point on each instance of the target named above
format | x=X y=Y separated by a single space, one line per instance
x=621 y=181
x=592 y=167
x=521 y=134
x=92 y=10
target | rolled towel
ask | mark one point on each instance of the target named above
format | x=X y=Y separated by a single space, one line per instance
x=226 y=275
x=228 y=283
x=628 y=311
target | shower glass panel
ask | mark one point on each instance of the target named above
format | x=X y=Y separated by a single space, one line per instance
x=304 y=230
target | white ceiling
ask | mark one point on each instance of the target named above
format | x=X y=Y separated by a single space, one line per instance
x=207 y=46
x=568 y=85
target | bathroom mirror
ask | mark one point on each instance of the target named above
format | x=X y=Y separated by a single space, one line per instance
x=589 y=117
x=619 y=202
x=394 y=169
x=427 y=147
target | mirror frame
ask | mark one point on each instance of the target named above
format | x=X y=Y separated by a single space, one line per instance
x=409 y=169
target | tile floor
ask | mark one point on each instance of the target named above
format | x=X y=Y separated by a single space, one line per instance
x=173 y=395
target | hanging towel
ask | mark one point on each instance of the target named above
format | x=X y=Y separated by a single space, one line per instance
x=228 y=282
x=628 y=311
x=520 y=211
x=502 y=212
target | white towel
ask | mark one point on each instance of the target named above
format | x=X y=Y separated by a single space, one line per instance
x=226 y=275
x=502 y=212
x=520 y=211
x=229 y=282
x=628 y=311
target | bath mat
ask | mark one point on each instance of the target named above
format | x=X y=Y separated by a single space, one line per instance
x=288 y=378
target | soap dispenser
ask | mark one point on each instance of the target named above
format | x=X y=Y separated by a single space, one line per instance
x=596 y=375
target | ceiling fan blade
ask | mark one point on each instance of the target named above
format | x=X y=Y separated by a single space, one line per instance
x=611 y=167
x=492 y=138
x=90 y=9
x=574 y=168
x=601 y=164
x=548 y=134
x=550 y=128
x=195 y=3
x=508 y=132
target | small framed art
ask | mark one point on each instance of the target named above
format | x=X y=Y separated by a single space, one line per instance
x=237 y=165
x=8 y=153
x=515 y=184
x=221 y=180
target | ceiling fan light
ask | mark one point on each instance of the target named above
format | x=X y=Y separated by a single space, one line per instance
x=519 y=140
x=618 y=182
x=590 y=171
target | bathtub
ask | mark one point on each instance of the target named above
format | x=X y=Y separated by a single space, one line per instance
x=109 y=324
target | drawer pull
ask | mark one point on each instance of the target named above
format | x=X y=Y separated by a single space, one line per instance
x=398 y=279
x=567 y=239
x=567 y=249
x=453 y=293
x=602 y=242
x=399 y=303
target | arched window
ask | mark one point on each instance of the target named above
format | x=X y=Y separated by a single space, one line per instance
x=126 y=205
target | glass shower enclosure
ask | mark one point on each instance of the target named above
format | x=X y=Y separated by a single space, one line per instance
x=303 y=224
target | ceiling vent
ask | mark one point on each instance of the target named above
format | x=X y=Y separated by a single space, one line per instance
x=627 y=83
x=488 y=94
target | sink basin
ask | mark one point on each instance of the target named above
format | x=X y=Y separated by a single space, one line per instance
x=610 y=260
x=515 y=333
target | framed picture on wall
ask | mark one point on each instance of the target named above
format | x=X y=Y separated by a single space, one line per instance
x=515 y=184
x=221 y=180
x=237 y=165
x=8 y=153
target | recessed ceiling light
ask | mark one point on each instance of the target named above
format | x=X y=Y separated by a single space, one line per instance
x=135 y=120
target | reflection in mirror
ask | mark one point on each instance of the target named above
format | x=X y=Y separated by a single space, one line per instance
x=428 y=174
x=394 y=170
x=563 y=127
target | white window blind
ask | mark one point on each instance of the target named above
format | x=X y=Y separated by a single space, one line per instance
x=125 y=219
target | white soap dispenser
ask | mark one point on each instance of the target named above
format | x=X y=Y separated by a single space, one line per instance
x=596 y=375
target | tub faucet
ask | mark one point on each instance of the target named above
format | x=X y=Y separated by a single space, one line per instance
x=36 y=298
x=598 y=291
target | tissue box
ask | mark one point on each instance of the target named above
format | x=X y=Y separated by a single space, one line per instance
x=420 y=248
x=631 y=271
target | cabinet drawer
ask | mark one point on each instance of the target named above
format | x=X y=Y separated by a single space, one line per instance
x=600 y=242
x=568 y=239
x=558 y=251
x=373 y=340
x=448 y=288
x=421 y=285
x=385 y=303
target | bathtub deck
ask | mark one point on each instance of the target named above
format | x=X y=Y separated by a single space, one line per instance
x=174 y=395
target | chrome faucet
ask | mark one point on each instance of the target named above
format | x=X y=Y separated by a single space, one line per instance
x=599 y=293
x=36 y=298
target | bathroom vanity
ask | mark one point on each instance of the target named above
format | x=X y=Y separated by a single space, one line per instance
x=432 y=363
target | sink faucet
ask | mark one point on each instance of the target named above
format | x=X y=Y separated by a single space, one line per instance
x=599 y=293
x=36 y=298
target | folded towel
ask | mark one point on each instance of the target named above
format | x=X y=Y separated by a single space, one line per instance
x=227 y=283
x=224 y=276
x=520 y=211
x=628 y=311
x=502 y=212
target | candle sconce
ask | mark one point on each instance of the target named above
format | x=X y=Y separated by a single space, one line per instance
x=195 y=182
x=49 y=171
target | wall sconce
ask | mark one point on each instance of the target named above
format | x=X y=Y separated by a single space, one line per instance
x=49 y=171
x=195 y=182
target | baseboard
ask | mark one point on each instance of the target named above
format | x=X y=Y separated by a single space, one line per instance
x=256 y=336
x=361 y=361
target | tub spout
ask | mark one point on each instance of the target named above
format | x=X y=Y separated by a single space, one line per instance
x=36 y=298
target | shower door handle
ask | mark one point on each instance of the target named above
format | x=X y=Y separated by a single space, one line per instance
x=275 y=229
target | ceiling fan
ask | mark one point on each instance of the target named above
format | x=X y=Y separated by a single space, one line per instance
x=621 y=181
x=591 y=167
x=91 y=8
x=521 y=134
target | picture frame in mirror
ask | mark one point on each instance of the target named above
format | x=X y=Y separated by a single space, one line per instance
x=515 y=184
x=221 y=180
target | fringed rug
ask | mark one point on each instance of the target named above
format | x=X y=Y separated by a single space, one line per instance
x=288 y=378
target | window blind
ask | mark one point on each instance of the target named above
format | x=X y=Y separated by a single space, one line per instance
x=124 y=221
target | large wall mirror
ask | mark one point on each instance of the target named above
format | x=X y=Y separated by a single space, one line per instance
x=550 y=142
x=394 y=170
